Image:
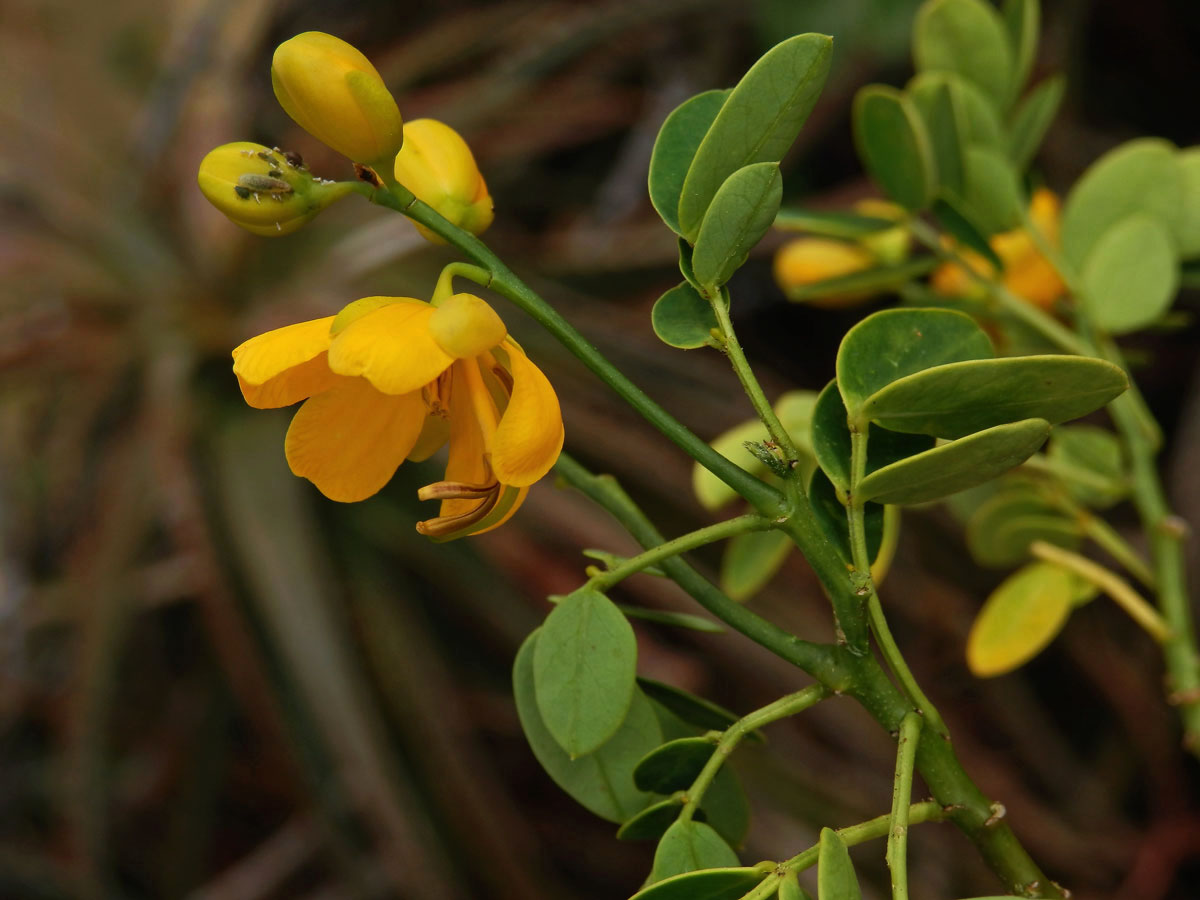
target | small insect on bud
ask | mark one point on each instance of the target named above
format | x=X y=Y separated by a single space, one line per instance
x=259 y=191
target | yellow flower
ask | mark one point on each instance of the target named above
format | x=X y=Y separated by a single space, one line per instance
x=393 y=378
x=334 y=93
x=264 y=190
x=1027 y=273
x=807 y=260
x=436 y=164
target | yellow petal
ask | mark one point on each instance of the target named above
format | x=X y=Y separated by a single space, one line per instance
x=292 y=385
x=434 y=434
x=262 y=358
x=510 y=501
x=473 y=419
x=392 y=348
x=349 y=441
x=530 y=435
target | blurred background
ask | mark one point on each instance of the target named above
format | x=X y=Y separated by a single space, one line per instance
x=217 y=685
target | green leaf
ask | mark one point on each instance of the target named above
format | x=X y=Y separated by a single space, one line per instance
x=584 y=670
x=830 y=513
x=740 y=214
x=1032 y=119
x=751 y=560
x=1096 y=455
x=959 y=226
x=992 y=194
x=711 y=884
x=957 y=399
x=947 y=138
x=758 y=122
x=675 y=619
x=602 y=781
x=652 y=822
x=975 y=116
x=711 y=491
x=894 y=146
x=1188 y=233
x=674 y=149
x=789 y=888
x=1130 y=276
x=832 y=445
x=1139 y=176
x=831 y=223
x=673 y=766
x=692 y=709
x=1000 y=531
x=966 y=37
x=688 y=847
x=683 y=319
x=1022 y=23
x=835 y=873
x=1024 y=614
x=955 y=466
x=878 y=280
x=893 y=343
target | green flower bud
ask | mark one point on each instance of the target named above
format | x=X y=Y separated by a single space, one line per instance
x=264 y=190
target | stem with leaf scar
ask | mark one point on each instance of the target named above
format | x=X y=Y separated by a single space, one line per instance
x=841 y=672
x=836 y=667
x=897 y=842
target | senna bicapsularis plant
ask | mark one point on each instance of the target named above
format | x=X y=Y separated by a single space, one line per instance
x=921 y=408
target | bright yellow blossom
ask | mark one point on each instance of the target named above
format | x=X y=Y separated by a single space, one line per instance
x=334 y=93
x=393 y=378
x=436 y=164
x=1027 y=273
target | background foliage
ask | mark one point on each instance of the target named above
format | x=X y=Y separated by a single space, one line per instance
x=217 y=685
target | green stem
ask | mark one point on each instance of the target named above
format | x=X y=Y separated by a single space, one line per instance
x=741 y=367
x=445 y=283
x=1118 y=548
x=897 y=842
x=926 y=811
x=888 y=647
x=732 y=736
x=819 y=660
x=841 y=671
x=763 y=496
x=676 y=546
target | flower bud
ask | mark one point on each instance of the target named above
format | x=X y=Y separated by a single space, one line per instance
x=263 y=190
x=334 y=93
x=436 y=164
x=807 y=260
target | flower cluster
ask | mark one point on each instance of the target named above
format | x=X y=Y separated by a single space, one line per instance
x=387 y=378
x=334 y=93
x=395 y=378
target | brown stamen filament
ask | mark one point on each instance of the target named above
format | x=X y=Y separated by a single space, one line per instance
x=443 y=525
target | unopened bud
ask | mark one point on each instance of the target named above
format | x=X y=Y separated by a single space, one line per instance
x=334 y=93
x=807 y=260
x=436 y=164
x=264 y=190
